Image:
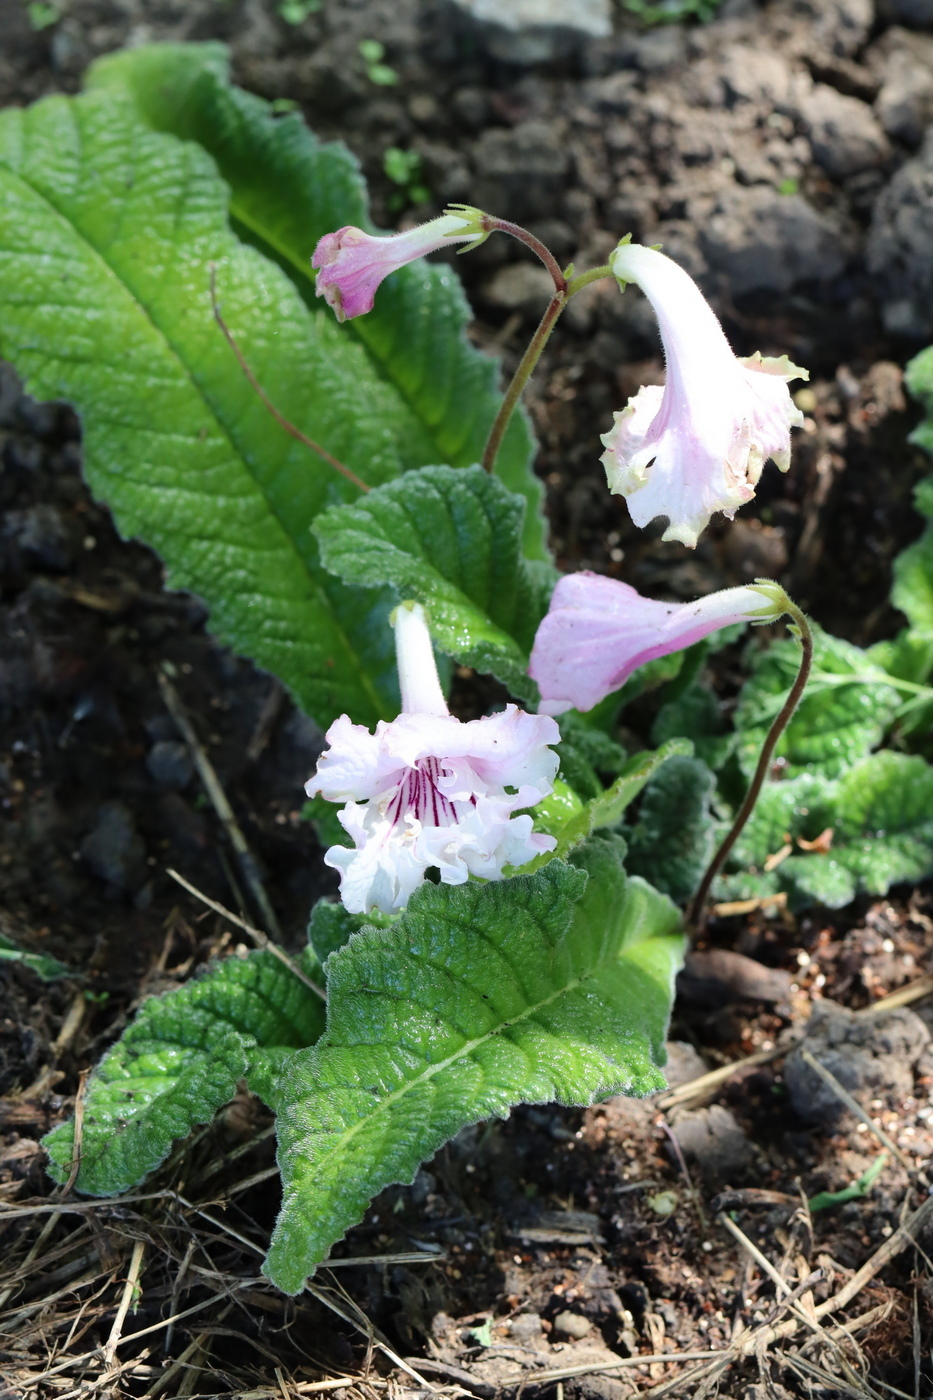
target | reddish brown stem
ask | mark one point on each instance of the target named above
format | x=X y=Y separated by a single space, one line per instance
x=267 y=403
x=492 y=224
x=695 y=909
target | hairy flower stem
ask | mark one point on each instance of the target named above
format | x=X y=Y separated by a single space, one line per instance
x=564 y=290
x=802 y=629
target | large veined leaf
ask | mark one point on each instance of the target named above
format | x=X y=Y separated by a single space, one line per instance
x=553 y=986
x=880 y=814
x=286 y=190
x=107 y=231
x=452 y=540
x=179 y=1061
x=846 y=708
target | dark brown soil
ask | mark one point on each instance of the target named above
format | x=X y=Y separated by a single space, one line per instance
x=555 y=1211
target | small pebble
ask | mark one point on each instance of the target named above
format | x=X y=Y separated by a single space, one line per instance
x=572 y=1324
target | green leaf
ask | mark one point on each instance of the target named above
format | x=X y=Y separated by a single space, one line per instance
x=42 y=964
x=586 y=755
x=286 y=191
x=331 y=926
x=605 y=811
x=847 y=706
x=697 y=712
x=918 y=376
x=452 y=540
x=881 y=815
x=106 y=235
x=913 y=583
x=672 y=841
x=553 y=986
x=179 y=1061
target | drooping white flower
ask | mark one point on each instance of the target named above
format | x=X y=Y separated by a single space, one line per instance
x=428 y=790
x=598 y=630
x=351 y=264
x=698 y=444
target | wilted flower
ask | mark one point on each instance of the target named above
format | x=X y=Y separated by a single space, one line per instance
x=598 y=631
x=428 y=790
x=351 y=264
x=699 y=444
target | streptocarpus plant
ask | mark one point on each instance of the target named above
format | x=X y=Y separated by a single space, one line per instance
x=160 y=234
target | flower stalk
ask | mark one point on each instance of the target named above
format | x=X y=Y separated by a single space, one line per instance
x=565 y=287
x=801 y=628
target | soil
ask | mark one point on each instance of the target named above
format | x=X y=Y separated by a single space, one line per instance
x=560 y=1239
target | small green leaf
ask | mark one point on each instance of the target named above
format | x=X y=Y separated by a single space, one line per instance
x=42 y=964
x=847 y=706
x=672 y=841
x=452 y=540
x=554 y=986
x=605 y=811
x=918 y=376
x=331 y=926
x=179 y=1061
x=697 y=712
x=913 y=583
x=587 y=755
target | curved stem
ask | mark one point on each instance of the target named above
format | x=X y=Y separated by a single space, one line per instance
x=695 y=910
x=494 y=225
x=520 y=378
x=564 y=289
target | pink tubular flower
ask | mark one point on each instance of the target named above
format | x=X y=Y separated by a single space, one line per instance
x=351 y=264
x=428 y=790
x=598 y=631
x=698 y=445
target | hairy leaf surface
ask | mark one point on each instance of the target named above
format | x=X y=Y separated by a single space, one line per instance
x=179 y=1061
x=846 y=708
x=286 y=191
x=572 y=821
x=107 y=232
x=553 y=986
x=672 y=841
x=452 y=540
x=880 y=814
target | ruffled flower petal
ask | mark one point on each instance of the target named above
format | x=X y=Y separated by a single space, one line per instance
x=427 y=791
x=351 y=264
x=699 y=444
x=598 y=631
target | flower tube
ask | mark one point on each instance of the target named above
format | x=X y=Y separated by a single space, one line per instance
x=427 y=790
x=598 y=631
x=698 y=444
x=351 y=264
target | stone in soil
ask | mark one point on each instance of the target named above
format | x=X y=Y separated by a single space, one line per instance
x=713 y=1142
x=871 y=1056
x=899 y=251
x=114 y=850
x=170 y=765
x=535 y=31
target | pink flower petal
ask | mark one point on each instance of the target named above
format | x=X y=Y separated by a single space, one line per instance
x=698 y=445
x=598 y=631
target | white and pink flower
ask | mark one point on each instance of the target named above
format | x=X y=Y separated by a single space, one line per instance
x=351 y=264
x=428 y=790
x=697 y=445
x=598 y=631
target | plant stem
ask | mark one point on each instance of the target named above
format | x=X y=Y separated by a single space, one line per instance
x=778 y=724
x=520 y=378
x=494 y=225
